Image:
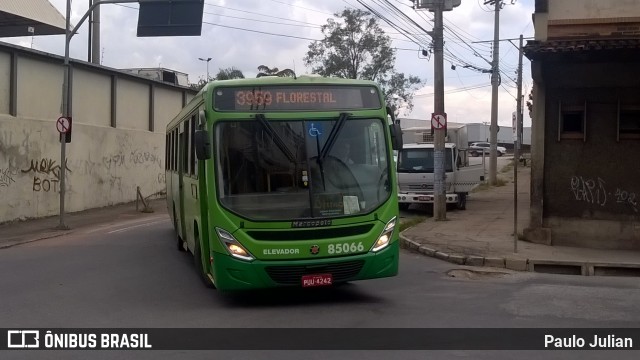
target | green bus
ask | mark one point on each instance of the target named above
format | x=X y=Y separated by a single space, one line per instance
x=280 y=181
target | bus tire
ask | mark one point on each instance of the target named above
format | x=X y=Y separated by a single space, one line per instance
x=403 y=206
x=179 y=242
x=197 y=258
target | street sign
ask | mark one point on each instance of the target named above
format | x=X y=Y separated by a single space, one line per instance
x=438 y=121
x=63 y=125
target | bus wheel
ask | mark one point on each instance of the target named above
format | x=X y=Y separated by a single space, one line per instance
x=403 y=206
x=179 y=241
x=197 y=258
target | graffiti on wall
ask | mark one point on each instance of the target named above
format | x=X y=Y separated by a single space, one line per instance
x=7 y=177
x=594 y=191
x=139 y=157
x=46 y=174
x=132 y=159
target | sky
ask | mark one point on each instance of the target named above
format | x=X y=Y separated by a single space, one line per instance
x=469 y=30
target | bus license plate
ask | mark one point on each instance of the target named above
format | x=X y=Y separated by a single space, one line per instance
x=317 y=280
x=423 y=198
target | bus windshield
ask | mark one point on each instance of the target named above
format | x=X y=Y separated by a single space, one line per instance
x=285 y=170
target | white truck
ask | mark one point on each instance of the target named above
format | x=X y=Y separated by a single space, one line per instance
x=415 y=166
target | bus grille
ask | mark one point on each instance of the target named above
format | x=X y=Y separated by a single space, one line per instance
x=292 y=275
x=292 y=235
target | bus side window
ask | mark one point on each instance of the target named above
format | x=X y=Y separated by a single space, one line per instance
x=192 y=153
x=185 y=147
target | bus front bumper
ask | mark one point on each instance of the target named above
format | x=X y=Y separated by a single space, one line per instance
x=233 y=274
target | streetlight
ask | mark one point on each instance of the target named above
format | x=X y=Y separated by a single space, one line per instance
x=207 y=60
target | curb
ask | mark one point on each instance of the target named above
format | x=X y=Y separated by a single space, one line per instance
x=560 y=267
x=42 y=237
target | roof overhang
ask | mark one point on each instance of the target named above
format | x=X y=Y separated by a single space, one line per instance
x=584 y=49
x=18 y=17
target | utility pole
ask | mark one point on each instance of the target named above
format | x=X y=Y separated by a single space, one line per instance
x=495 y=82
x=439 y=116
x=95 y=31
x=440 y=198
x=517 y=140
x=66 y=91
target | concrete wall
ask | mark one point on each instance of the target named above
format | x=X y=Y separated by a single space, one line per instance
x=563 y=19
x=591 y=193
x=592 y=9
x=117 y=142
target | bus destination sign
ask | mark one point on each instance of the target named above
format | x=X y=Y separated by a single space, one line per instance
x=296 y=98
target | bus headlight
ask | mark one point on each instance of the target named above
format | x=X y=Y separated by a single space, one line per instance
x=232 y=245
x=385 y=238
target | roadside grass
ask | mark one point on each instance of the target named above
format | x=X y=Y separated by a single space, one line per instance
x=485 y=185
x=405 y=224
x=508 y=168
x=500 y=181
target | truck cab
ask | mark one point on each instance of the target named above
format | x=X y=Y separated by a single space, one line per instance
x=415 y=169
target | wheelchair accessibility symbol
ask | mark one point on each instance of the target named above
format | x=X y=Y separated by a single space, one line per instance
x=315 y=130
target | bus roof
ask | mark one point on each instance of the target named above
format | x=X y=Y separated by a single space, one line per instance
x=276 y=80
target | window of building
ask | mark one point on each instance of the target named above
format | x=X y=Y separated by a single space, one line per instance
x=572 y=121
x=628 y=121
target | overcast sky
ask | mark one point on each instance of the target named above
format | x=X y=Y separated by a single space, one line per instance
x=467 y=92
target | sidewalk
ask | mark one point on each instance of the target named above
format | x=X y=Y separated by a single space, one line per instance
x=20 y=232
x=482 y=235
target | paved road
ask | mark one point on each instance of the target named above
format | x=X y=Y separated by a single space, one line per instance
x=130 y=275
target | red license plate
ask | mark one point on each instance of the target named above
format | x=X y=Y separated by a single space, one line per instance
x=317 y=280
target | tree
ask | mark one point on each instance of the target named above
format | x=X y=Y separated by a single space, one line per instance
x=229 y=74
x=267 y=71
x=530 y=104
x=355 y=47
x=223 y=74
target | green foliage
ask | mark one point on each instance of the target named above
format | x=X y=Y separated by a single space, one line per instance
x=356 y=47
x=223 y=74
x=267 y=71
x=229 y=73
x=530 y=104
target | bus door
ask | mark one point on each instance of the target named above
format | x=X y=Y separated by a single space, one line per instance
x=183 y=151
x=190 y=200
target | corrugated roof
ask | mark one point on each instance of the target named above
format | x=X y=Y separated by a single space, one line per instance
x=16 y=16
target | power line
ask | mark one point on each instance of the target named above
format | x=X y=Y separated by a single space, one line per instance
x=473 y=87
x=259 y=14
x=260 y=32
x=301 y=7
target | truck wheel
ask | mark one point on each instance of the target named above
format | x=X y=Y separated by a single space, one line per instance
x=462 y=202
x=403 y=206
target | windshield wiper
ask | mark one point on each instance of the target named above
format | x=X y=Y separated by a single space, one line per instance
x=333 y=135
x=276 y=138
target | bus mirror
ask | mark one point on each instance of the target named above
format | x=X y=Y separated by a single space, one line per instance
x=203 y=145
x=202 y=118
x=396 y=136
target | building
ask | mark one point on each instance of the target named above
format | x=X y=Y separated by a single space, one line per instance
x=161 y=74
x=476 y=132
x=118 y=136
x=586 y=123
x=481 y=132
